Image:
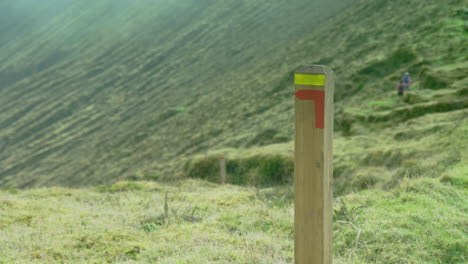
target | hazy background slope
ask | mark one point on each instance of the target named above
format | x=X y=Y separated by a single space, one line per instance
x=93 y=90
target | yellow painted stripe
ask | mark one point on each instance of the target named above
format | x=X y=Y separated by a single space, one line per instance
x=308 y=79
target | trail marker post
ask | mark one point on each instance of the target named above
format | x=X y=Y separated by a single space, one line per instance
x=313 y=195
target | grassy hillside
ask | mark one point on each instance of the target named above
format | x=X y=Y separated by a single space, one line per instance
x=96 y=91
x=91 y=91
x=133 y=222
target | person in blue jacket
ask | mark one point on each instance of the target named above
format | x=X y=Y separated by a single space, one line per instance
x=406 y=81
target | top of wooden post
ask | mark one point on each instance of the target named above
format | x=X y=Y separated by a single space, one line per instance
x=319 y=76
x=314 y=69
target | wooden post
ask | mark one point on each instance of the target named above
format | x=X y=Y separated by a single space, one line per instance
x=314 y=85
x=222 y=169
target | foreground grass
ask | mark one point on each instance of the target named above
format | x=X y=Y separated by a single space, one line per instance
x=421 y=221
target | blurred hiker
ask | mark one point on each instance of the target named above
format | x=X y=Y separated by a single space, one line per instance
x=401 y=88
x=406 y=80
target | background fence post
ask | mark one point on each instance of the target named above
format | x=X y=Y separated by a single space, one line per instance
x=222 y=169
x=314 y=86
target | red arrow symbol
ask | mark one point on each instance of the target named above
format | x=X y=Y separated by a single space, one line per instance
x=319 y=98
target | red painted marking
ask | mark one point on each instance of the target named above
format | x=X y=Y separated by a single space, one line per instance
x=319 y=98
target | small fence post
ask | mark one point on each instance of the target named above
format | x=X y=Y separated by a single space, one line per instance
x=314 y=86
x=222 y=169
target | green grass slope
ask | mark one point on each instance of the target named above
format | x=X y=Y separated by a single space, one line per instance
x=91 y=91
x=420 y=221
x=126 y=89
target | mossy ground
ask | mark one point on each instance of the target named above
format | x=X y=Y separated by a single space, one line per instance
x=419 y=221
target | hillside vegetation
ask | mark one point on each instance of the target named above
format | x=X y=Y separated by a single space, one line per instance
x=126 y=89
x=138 y=104
x=82 y=111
